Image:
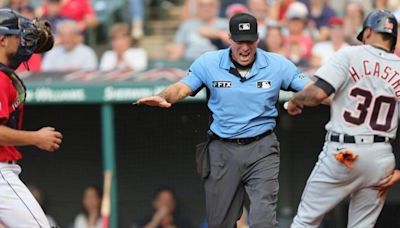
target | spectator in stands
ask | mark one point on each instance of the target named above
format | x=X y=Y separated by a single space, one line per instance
x=53 y=15
x=234 y=9
x=320 y=13
x=220 y=38
x=194 y=36
x=35 y=61
x=260 y=10
x=394 y=6
x=226 y=3
x=283 y=6
x=165 y=212
x=122 y=56
x=323 y=50
x=137 y=17
x=79 y=10
x=298 y=43
x=90 y=217
x=353 y=21
x=70 y=54
x=38 y=194
x=273 y=42
x=380 y=4
x=16 y=4
x=189 y=10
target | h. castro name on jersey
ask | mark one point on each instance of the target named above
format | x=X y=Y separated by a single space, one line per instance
x=376 y=69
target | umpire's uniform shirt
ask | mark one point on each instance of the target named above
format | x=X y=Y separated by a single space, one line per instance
x=243 y=110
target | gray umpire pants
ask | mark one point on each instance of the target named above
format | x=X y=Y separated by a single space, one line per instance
x=253 y=168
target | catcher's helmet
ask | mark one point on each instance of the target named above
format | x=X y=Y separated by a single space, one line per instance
x=381 y=21
x=9 y=22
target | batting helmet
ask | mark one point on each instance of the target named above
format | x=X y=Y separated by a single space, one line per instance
x=381 y=21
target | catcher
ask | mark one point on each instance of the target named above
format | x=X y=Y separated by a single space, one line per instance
x=19 y=39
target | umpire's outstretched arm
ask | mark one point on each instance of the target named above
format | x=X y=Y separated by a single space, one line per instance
x=168 y=96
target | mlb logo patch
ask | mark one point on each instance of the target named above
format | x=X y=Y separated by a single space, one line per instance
x=264 y=84
x=301 y=76
x=222 y=84
x=244 y=26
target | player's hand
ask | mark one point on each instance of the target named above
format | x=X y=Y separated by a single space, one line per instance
x=154 y=101
x=388 y=182
x=47 y=138
x=293 y=108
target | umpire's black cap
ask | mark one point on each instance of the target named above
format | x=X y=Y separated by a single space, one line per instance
x=243 y=27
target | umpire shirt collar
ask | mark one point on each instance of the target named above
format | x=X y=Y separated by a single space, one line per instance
x=260 y=62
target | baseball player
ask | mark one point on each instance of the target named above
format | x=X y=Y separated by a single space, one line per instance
x=357 y=158
x=19 y=38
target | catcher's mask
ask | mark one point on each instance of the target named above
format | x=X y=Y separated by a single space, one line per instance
x=381 y=21
x=12 y=23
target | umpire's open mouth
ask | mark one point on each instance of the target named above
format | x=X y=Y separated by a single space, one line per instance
x=245 y=56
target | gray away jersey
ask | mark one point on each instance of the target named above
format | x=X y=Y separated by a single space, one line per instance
x=367 y=84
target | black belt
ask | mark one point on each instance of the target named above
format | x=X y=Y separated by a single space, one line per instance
x=352 y=139
x=240 y=141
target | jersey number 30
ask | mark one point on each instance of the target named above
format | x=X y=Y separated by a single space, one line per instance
x=363 y=108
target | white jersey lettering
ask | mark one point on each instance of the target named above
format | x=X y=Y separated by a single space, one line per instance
x=375 y=69
x=367 y=84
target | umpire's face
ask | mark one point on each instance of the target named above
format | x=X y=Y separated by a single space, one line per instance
x=243 y=52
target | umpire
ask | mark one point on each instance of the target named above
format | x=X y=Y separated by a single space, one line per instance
x=244 y=84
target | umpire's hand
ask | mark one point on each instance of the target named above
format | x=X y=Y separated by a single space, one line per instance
x=47 y=138
x=293 y=108
x=154 y=101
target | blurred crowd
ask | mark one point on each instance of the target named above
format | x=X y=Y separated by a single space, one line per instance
x=71 y=21
x=88 y=217
x=305 y=31
x=165 y=211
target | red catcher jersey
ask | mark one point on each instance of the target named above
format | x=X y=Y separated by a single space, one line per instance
x=11 y=112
